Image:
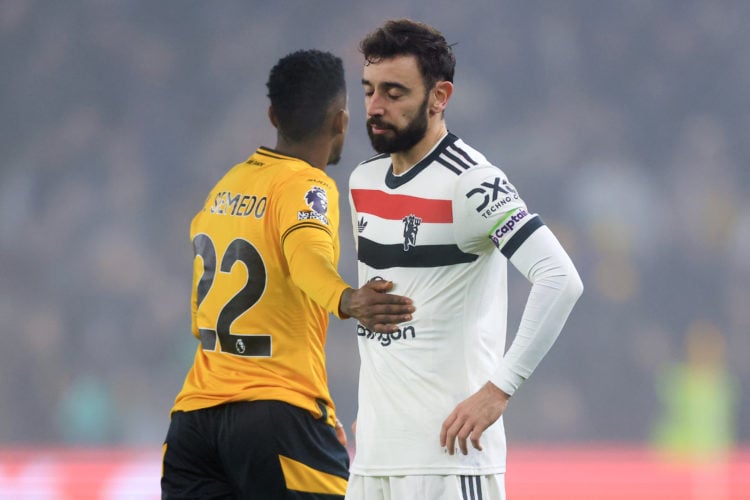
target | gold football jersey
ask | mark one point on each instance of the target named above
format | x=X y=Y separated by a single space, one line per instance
x=261 y=337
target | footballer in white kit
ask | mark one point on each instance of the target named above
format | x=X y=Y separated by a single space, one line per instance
x=440 y=222
x=442 y=232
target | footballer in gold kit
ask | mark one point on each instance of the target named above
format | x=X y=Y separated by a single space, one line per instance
x=255 y=418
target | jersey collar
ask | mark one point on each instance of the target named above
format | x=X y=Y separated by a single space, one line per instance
x=394 y=181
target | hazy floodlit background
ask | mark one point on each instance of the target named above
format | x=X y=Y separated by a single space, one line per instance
x=624 y=124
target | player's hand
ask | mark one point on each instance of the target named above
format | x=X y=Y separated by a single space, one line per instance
x=376 y=309
x=341 y=433
x=471 y=417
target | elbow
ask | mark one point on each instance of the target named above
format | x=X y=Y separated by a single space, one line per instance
x=573 y=285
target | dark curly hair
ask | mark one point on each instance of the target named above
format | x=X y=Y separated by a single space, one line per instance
x=301 y=87
x=406 y=37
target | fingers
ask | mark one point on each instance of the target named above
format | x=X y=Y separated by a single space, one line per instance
x=389 y=305
x=390 y=300
x=386 y=323
x=387 y=301
x=475 y=436
x=444 y=429
x=380 y=311
x=384 y=314
x=449 y=432
x=461 y=437
x=368 y=296
x=458 y=430
x=384 y=327
x=341 y=432
x=389 y=316
x=380 y=285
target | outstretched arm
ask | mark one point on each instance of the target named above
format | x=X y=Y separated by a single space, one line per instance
x=374 y=308
x=309 y=253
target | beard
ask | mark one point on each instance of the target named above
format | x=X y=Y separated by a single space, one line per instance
x=334 y=158
x=400 y=139
x=335 y=155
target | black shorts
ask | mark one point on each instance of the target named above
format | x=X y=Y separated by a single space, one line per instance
x=264 y=450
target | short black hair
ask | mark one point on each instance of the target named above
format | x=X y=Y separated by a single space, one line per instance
x=406 y=37
x=301 y=86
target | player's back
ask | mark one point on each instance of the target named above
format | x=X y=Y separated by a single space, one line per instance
x=260 y=336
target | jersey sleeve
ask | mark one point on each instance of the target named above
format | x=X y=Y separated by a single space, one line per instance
x=556 y=286
x=488 y=211
x=308 y=219
x=310 y=257
x=309 y=198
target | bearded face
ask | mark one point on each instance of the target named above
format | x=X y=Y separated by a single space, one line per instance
x=397 y=139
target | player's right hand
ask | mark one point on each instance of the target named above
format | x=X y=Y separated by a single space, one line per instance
x=375 y=308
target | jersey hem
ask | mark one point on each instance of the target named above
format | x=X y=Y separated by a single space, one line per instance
x=429 y=471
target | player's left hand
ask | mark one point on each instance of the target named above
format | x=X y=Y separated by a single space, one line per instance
x=341 y=432
x=375 y=308
x=471 y=417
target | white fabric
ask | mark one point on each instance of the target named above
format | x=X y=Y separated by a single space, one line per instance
x=491 y=487
x=461 y=211
x=556 y=287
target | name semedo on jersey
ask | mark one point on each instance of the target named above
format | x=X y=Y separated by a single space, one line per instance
x=239 y=204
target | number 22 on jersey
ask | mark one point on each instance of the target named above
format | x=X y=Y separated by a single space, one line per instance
x=220 y=338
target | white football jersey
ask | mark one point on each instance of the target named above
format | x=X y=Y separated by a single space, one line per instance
x=435 y=232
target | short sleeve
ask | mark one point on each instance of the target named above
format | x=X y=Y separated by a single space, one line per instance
x=308 y=199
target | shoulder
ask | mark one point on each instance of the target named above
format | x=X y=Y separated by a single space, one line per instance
x=469 y=164
x=371 y=168
x=296 y=173
x=461 y=161
x=288 y=169
x=469 y=153
x=378 y=157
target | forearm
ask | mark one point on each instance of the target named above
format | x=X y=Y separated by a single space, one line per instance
x=556 y=287
x=310 y=257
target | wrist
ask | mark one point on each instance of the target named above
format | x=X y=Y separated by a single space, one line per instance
x=497 y=391
x=344 y=303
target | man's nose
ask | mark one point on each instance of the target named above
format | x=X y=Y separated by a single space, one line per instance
x=374 y=105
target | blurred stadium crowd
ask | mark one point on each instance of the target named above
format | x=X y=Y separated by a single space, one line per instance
x=622 y=124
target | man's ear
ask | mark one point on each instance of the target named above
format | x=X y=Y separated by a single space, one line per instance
x=440 y=96
x=340 y=122
x=272 y=117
